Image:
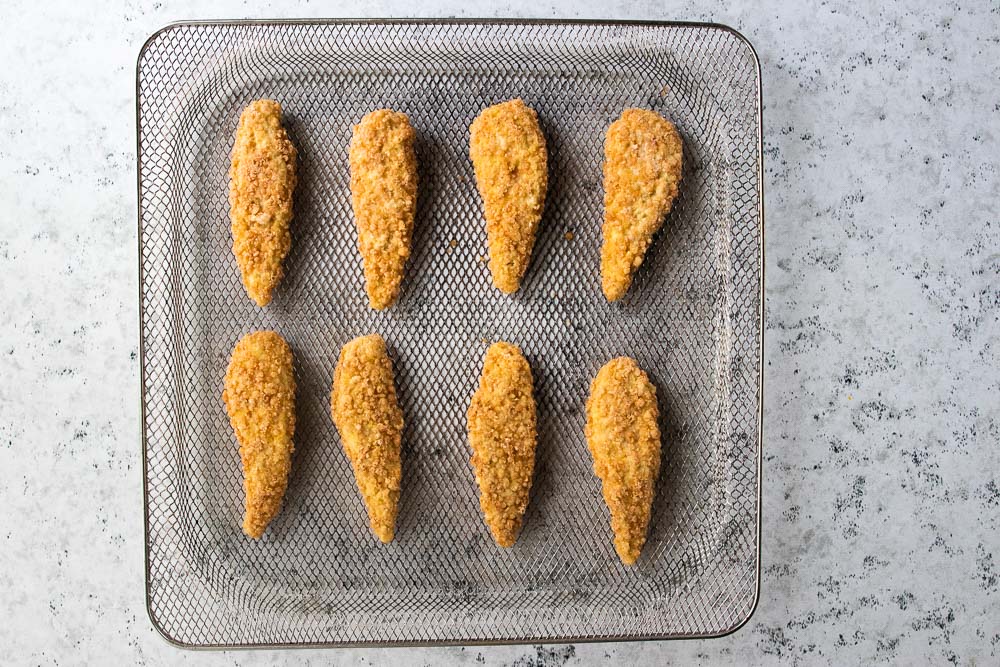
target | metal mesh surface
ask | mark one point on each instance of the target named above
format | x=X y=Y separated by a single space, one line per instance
x=691 y=319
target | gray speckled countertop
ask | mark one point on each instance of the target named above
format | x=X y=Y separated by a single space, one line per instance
x=881 y=537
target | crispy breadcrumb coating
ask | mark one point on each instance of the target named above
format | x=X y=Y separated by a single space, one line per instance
x=370 y=424
x=624 y=438
x=262 y=179
x=643 y=156
x=501 y=421
x=384 y=198
x=259 y=395
x=508 y=154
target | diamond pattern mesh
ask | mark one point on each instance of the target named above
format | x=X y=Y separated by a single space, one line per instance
x=691 y=319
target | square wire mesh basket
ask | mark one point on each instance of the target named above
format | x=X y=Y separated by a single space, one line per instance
x=692 y=319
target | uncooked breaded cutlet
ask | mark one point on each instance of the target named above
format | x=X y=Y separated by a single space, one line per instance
x=259 y=395
x=624 y=439
x=508 y=154
x=502 y=433
x=262 y=180
x=384 y=199
x=370 y=424
x=643 y=156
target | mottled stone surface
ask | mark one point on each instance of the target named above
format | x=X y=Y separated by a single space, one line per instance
x=881 y=491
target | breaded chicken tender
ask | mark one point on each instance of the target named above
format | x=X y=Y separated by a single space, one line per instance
x=260 y=398
x=642 y=168
x=370 y=424
x=262 y=179
x=508 y=154
x=384 y=198
x=501 y=421
x=624 y=438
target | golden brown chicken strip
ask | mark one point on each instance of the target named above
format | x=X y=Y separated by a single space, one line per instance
x=624 y=439
x=508 y=154
x=384 y=197
x=259 y=395
x=262 y=179
x=642 y=168
x=501 y=420
x=370 y=424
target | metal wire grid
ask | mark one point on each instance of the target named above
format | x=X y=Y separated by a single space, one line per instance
x=692 y=320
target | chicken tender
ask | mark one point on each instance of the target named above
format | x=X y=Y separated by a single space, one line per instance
x=508 y=154
x=624 y=439
x=259 y=395
x=262 y=179
x=384 y=198
x=642 y=169
x=370 y=424
x=501 y=421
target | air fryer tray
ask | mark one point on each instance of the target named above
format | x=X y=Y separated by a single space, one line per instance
x=692 y=319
